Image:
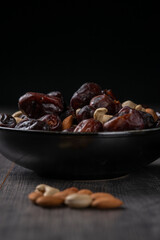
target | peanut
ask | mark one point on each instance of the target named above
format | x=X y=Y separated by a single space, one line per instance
x=34 y=196
x=49 y=201
x=101 y=194
x=63 y=194
x=85 y=191
x=106 y=203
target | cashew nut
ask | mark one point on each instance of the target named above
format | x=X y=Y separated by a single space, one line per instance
x=100 y=115
x=77 y=111
x=140 y=108
x=46 y=189
x=129 y=103
x=17 y=114
x=18 y=119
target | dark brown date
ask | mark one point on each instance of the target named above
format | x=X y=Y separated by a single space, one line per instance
x=85 y=113
x=53 y=121
x=71 y=129
x=35 y=105
x=89 y=125
x=7 y=120
x=148 y=119
x=109 y=92
x=105 y=101
x=126 y=119
x=32 y=124
x=84 y=94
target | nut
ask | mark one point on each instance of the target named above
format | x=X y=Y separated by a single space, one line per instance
x=101 y=194
x=76 y=200
x=18 y=119
x=152 y=112
x=140 y=108
x=85 y=191
x=77 y=111
x=17 y=114
x=67 y=122
x=46 y=190
x=129 y=103
x=63 y=194
x=49 y=201
x=100 y=115
x=106 y=203
x=34 y=196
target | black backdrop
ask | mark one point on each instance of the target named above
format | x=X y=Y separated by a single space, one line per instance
x=61 y=46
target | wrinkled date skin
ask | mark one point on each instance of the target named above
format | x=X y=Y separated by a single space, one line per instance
x=53 y=121
x=89 y=125
x=32 y=124
x=84 y=94
x=35 y=105
x=56 y=94
x=105 y=101
x=128 y=119
x=148 y=120
x=109 y=93
x=85 y=113
x=7 y=120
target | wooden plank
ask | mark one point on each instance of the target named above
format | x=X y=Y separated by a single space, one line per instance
x=139 y=219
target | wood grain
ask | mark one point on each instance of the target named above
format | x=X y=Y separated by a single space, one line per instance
x=138 y=219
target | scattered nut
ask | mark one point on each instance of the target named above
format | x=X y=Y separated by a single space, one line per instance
x=129 y=103
x=34 y=196
x=153 y=113
x=17 y=114
x=85 y=191
x=46 y=190
x=76 y=200
x=100 y=115
x=63 y=194
x=100 y=195
x=67 y=122
x=106 y=203
x=49 y=201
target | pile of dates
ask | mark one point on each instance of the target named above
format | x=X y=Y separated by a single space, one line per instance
x=91 y=109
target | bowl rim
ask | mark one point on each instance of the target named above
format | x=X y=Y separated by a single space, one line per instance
x=103 y=134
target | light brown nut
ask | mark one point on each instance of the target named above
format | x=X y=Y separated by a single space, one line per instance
x=46 y=189
x=18 y=119
x=67 y=122
x=152 y=112
x=77 y=111
x=17 y=114
x=49 y=201
x=140 y=108
x=63 y=194
x=101 y=194
x=34 y=196
x=85 y=191
x=106 y=203
x=129 y=103
x=76 y=200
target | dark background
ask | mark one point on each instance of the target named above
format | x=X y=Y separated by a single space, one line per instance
x=60 y=46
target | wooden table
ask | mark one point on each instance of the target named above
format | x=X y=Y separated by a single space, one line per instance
x=138 y=219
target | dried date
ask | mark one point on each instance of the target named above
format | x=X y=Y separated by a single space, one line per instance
x=89 y=125
x=53 y=121
x=126 y=119
x=84 y=94
x=7 y=120
x=35 y=105
x=32 y=124
x=85 y=113
x=105 y=101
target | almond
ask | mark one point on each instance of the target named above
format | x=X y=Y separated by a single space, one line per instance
x=101 y=194
x=63 y=194
x=85 y=191
x=67 y=122
x=152 y=112
x=76 y=200
x=106 y=203
x=34 y=196
x=49 y=201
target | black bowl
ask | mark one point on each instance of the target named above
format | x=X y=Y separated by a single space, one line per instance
x=81 y=155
